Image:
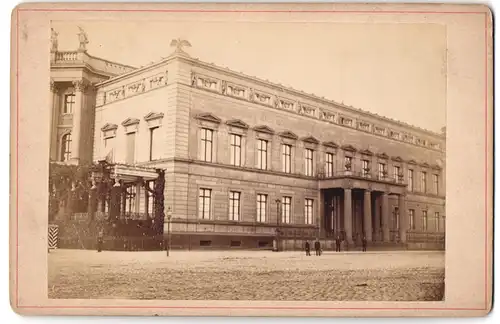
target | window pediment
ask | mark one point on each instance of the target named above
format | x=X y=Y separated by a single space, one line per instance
x=330 y=144
x=109 y=127
x=310 y=139
x=349 y=148
x=153 y=116
x=412 y=162
x=383 y=156
x=397 y=159
x=435 y=167
x=130 y=122
x=425 y=165
x=209 y=117
x=263 y=129
x=288 y=134
x=366 y=152
x=237 y=123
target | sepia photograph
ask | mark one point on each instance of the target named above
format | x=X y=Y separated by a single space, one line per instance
x=194 y=159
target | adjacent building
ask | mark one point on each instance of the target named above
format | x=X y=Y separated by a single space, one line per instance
x=249 y=162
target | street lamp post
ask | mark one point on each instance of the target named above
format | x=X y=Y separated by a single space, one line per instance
x=169 y=217
x=278 y=205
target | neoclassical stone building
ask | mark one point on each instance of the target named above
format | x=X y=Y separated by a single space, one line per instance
x=248 y=161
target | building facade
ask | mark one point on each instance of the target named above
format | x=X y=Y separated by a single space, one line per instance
x=249 y=163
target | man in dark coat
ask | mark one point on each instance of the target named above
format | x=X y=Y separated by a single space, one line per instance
x=364 y=243
x=337 y=244
x=317 y=247
x=308 y=248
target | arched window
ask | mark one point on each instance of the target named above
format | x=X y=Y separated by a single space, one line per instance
x=66 y=147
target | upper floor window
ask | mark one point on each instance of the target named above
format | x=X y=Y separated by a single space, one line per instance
x=423 y=181
x=348 y=163
x=309 y=162
x=366 y=168
x=308 y=211
x=204 y=203
x=411 y=216
x=66 y=147
x=286 y=206
x=396 y=171
x=235 y=149
x=206 y=144
x=234 y=205
x=286 y=152
x=424 y=220
x=153 y=154
x=69 y=102
x=130 y=157
x=262 y=154
x=410 y=179
x=261 y=207
x=381 y=170
x=329 y=164
x=435 y=180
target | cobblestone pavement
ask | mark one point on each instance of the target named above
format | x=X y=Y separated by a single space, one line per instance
x=247 y=275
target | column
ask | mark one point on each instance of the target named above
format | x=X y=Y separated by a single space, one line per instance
x=385 y=217
x=348 y=214
x=367 y=214
x=403 y=221
x=53 y=121
x=77 y=119
x=376 y=220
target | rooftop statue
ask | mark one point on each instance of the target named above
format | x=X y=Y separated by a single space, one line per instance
x=82 y=37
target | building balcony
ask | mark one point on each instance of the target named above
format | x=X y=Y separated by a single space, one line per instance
x=65 y=58
x=361 y=180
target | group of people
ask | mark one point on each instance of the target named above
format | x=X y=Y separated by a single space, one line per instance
x=338 y=242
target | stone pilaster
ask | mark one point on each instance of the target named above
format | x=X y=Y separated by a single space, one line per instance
x=385 y=217
x=403 y=221
x=348 y=214
x=80 y=87
x=367 y=214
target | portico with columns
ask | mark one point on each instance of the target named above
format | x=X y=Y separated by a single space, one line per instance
x=357 y=207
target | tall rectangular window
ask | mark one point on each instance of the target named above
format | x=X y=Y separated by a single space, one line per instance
x=286 y=206
x=410 y=180
x=262 y=154
x=435 y=181
x=204 y=203
x=235 y=149
x=69 y=102
x=411 y=216
x=381 y=170
x=396 y=170
x=206 y=144
x=308 y=211
x=286 y=152
x=152 y=151
x=365 y=168
x=234 y=205
x=348 y=163
x=329 y=165
x=66 y=147
x=309 y=162
x=395 y=218
x=424 y=220
x=130 y=157
x=423 y=181
x=150 y=199
x=261 y=208
x=436 y=221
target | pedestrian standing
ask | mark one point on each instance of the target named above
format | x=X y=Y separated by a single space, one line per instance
x=364 y=243
x=317 y=247
x=308 y=248
x=100 y=239
x=337 y=244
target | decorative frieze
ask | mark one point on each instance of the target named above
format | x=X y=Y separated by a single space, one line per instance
x=259 y=97
x=346 y=121
x=115 y=94
x=307 y=110
x=364 y=126
x=379 y=130
x=136 y=87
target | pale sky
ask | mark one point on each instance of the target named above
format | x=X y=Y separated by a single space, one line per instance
x=394 y=70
